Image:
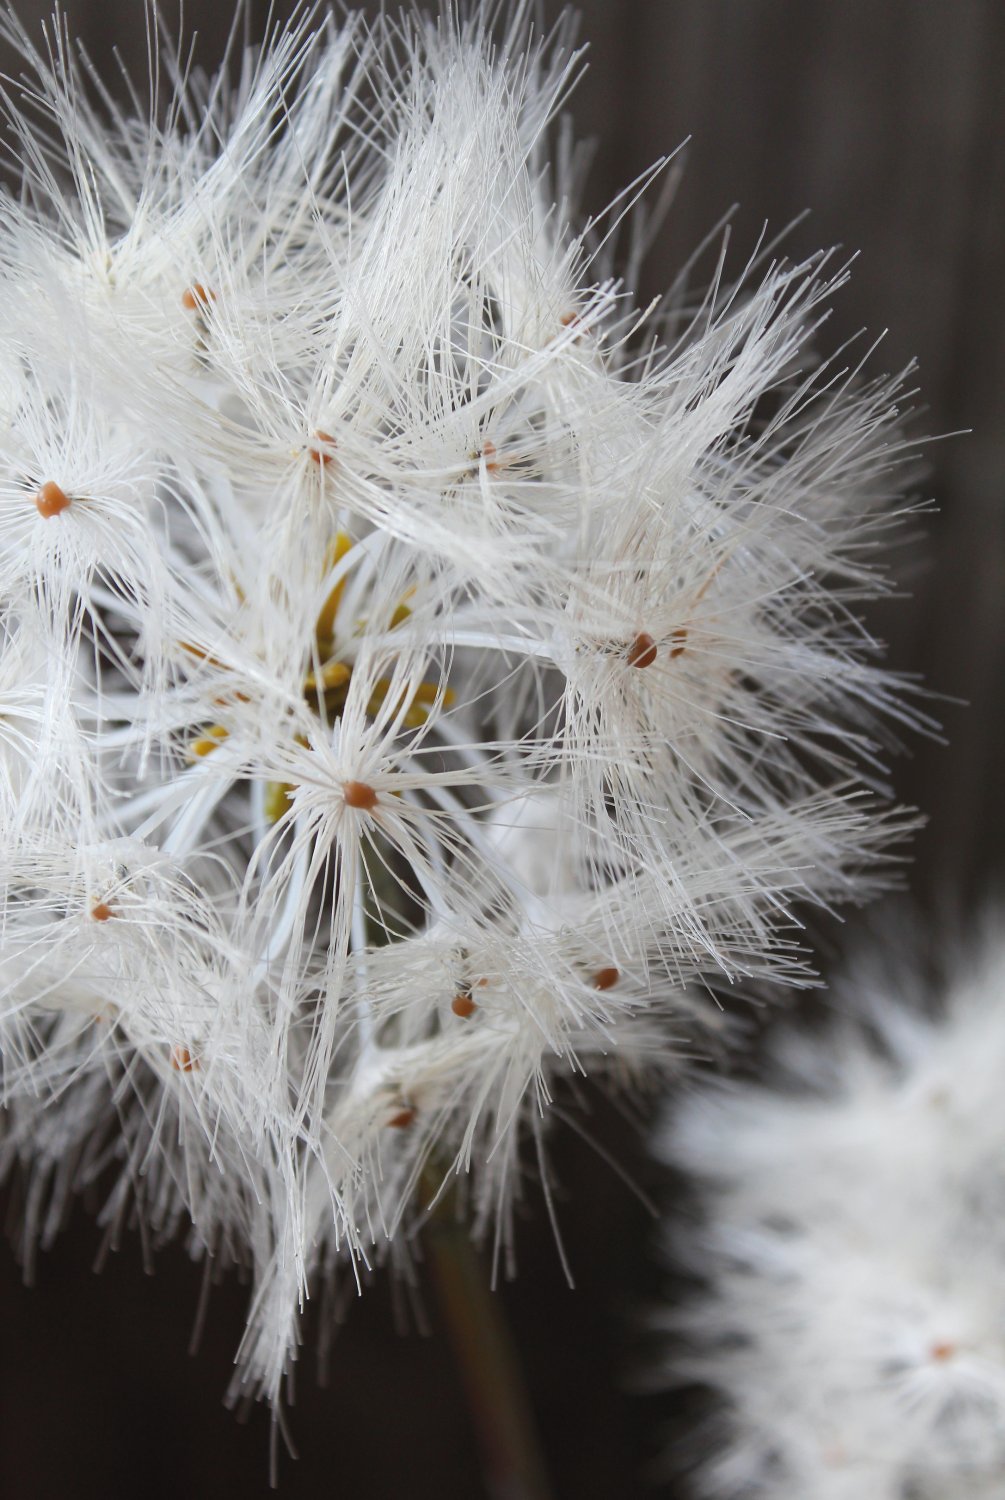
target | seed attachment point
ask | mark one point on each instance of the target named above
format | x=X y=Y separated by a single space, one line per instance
x=322 y=449
x=642 y=651
x=196 y=298
x=489 y=454
x=357 y=794
x=51 y=500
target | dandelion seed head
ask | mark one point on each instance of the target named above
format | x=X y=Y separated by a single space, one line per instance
x=846 y=1243
x=423 y=677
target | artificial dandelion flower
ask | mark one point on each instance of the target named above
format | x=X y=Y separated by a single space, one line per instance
x=424 y=677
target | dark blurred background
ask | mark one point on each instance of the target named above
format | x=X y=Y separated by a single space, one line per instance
x=885 y=118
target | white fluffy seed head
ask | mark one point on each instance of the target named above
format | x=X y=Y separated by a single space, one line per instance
x=465 y=694
x=849 y=1246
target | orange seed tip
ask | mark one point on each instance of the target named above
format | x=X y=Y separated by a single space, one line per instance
x=358 y=794
x=402 y=1119
x=50 y=499
x=462 y=1005
x=605 y=979
x=642 y=651
x=182 y=1060
x=196 y=297
x=319 y=449
x=101 y=912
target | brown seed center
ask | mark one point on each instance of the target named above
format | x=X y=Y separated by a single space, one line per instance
x=50 y=499
x=321 y=449
x=642 y=651
x=196 y=297
x=488 y=452
x=358 y=794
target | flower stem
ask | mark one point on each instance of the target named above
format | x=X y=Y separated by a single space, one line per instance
x=497 y=1399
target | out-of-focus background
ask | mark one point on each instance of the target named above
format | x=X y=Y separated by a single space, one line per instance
x=886 y=118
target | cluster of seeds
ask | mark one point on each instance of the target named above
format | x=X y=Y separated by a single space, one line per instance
x=423 y=677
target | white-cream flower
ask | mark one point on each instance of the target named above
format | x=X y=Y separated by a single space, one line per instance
x=424 y=676
x=850 y=1319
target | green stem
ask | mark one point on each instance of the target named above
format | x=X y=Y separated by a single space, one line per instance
x=488 y=1364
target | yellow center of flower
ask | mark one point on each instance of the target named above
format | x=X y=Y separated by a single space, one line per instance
x=325 y=685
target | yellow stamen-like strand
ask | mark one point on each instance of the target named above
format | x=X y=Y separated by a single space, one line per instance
x=208 y=742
